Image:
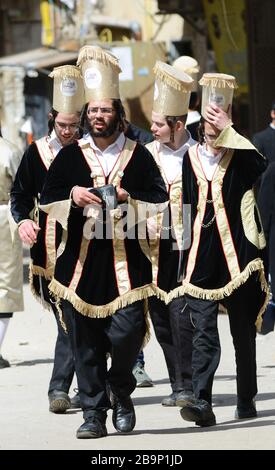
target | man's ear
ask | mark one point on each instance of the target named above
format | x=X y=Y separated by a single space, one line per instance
x=179 y=125
x=50 y=115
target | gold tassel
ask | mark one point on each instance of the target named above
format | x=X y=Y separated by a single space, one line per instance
x=37 y=297
x=259 y=319
x=218 y=294
x=66 y=71
x=98 y=54
x=46 y=273
x=171 y=81
x=147 y=323
x=102 y=311
x=218 y=82
x=61 y=316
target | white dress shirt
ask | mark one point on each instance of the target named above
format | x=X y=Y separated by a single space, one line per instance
x=54 y=143
x=171 y=160
x=209 y=162
x=109 y=156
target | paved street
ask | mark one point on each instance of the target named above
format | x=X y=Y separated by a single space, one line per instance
x=27 y=424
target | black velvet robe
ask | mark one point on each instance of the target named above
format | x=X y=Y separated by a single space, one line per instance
x=100 y=275
x=227 y=241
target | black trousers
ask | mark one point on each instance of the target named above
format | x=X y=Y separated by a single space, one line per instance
x=174 y=332
x=63 y=366
x=243 y=307
x=120 y=334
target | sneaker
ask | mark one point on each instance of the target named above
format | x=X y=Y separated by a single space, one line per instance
x=170 y=400
x=245 y=409
x=179 y=398
x=184 y=397
x=59 y=401
x=143 y=379
x=4 y=363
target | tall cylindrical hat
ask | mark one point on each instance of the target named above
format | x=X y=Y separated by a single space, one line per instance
x=188 y=65
x=172 y=90
x=100 y=71
x=68 y=90
x=217 y=88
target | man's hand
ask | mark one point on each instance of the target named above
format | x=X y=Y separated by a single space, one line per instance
x=216 y=116
x=82 y=197
x=28 y=232
x=122 y=195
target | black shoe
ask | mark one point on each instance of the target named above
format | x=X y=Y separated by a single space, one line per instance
x=4 y=363
x=200 y=411
x=185 y=397
x=245 y=409
x=59 y=401
x=124 y=417
x=75 y=401
x=170 y=400
x=92 y=428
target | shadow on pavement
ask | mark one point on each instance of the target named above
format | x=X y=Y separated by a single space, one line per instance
x=148 y=400
x=34 y=362
x=227 y=399
x=196 y=429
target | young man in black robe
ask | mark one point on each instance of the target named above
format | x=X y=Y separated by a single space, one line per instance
x=225 y=260
x=34 y=227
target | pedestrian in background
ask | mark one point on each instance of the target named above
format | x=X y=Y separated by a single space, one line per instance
x=11 y=259
x=190 y=66
x=264 y=140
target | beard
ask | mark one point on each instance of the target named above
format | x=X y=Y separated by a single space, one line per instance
x=110 y=129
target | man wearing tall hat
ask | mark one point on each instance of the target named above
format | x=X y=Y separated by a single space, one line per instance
x=189 y=65
x=95 y=188
x=225 y=260
x=171 y=320
x=34 y=227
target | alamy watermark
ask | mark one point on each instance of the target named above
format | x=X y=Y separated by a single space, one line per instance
x=140 y=222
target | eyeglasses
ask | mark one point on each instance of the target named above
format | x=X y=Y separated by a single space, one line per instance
x=104 y=111
x=71 y=127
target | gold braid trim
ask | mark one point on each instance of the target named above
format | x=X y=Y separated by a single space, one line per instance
x=99 y=55
x=218 y=294
x=37 y=297
x=66 y=71
x=171 y=81
x=102 y=311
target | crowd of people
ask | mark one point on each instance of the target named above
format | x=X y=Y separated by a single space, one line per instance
x=126 y=226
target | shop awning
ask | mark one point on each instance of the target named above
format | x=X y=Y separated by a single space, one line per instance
x=39 y=59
